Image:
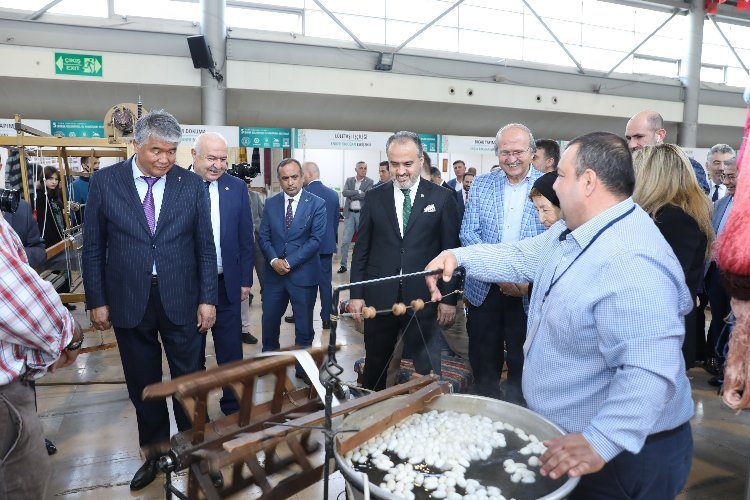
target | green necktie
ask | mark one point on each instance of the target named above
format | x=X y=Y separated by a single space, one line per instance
x=407 y=207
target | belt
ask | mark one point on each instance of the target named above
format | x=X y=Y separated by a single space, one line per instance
x=665 y=434
x=154 y=280
x=355 y=211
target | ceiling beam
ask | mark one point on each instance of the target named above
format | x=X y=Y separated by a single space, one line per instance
x=36 y=15
x=426 y=26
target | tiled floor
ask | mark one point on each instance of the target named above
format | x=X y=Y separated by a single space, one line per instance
x=94 y=427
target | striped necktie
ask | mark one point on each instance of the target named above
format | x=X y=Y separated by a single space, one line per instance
x=407 y=208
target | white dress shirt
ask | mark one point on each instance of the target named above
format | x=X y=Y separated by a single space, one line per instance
x=712 y=186
x=398 y=196
x=157 y=191
x=355 y=204
x=295 y=204
x=513 y=204
x=213 y=192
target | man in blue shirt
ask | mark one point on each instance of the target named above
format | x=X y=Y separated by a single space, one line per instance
x=80 y=187
x=606 y=323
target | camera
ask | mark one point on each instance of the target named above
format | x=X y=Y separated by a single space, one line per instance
x=244 y=171
x=9 y=199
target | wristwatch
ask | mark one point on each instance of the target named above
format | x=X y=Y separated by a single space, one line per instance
x=74 y=344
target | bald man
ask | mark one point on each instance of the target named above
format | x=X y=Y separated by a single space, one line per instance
x=312 y=183
x=646 y=128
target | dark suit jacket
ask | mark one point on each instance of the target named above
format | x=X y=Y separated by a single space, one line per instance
x=119 y=251
x=300 y=246
x=381 y=251
x=236 y=235
x=687 y=241
x=331 y=198
x=23 y=223
x=719 y=208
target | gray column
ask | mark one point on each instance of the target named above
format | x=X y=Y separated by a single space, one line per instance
x=213 y=93
x=690 y=75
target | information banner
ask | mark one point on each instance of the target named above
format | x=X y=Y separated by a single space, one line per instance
x=8 y=126
x=190 y=132
x=430 y=142
x=77 y=128
x=340 y=139
x=257 y=137
x=466 y=144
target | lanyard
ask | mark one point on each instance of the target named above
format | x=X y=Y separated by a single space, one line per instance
x=601 y=231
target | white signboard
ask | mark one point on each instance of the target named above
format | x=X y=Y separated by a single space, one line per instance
x=190 y=132
x=467 y=144
x=8 y=126
x=339 y=139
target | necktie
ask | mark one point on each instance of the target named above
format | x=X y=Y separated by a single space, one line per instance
x=148 y=203
x=207 y=184
x=407 y=207
x=466 y=197
x=715 y=196
x=289 y=215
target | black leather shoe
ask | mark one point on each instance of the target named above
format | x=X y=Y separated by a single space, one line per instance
x=145 y=475
x=248 y=338
x=289 y=319
x=303 y=377
x=217 y=479
x=712 y=366
x=51 y=448
x=341 y=270
x=715 y=381
x=326 y=324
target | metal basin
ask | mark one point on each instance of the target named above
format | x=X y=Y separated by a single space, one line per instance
x=517 y=416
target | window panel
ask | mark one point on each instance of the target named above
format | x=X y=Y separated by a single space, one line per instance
x=652 y=67
x=645 y=24
x=239 y=17
x=437 y=38
x=545 y=52
x=738 y=35
x=566 y=31
x=608 y=38
x=507 y=5
x=490 y=44
x=319 y=24
x=398 y=31
x=598 y=59
x=277 y=3
x=418 y=11
x=737 y=76
x=32 y=5
x=663 y=47
x=371 y=8
x=162 y=9
x=608 y=14
x=90 y=8
x=713 y=75
x=569 y=10
x=716 y=54
x=367 y=29
x=532 y=28
x=710 y=34
x=491 y=20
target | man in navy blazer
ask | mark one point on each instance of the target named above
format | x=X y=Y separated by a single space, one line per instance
x=149 y=270
x=313 y=185
x=232 y=224
x=292 y=229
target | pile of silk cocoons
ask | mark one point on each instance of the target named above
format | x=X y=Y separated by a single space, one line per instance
x=447 y=441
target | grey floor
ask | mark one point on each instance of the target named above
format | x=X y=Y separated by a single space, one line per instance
x=94 y=426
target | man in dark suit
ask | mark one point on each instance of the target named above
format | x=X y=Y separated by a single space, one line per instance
x=384 y=171
x=291 y=231
x=404 y=225
x=354 y=192
x=462 y=197
x=718 y=297
x=149 y=270
x=459 y=168
x=328 y=245
x=23 y=223
x=232 y=226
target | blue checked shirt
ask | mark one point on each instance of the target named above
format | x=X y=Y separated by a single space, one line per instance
x=605 y=359
x=483 y=221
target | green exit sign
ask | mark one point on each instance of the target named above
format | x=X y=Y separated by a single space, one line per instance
x=78 y=64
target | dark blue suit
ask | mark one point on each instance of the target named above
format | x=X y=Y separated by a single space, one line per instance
x=300 y=247
x=328 y=245
x=118 y=256
x=236 y=241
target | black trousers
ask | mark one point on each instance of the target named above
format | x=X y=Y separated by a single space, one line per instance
x=497 y=323
x=420 y=342
x=659 y=471
x=141 y=355
x=720 y=308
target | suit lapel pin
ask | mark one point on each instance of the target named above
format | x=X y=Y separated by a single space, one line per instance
x=226 y=188
x=421 y=195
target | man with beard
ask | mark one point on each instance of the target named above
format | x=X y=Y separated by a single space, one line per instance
x=403 y=225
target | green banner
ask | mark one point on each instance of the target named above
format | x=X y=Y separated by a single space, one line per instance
x=78 y=64
x=429 y=142
x=254 y=137
x=77 y=128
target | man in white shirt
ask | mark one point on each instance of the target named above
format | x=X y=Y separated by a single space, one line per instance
x=719 y=156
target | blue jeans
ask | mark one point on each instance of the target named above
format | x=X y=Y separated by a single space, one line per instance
x=350 y=227
x=658 y=471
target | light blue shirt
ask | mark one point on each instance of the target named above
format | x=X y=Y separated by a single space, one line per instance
x=513 y=204
x=157 y=191
x=606 y=358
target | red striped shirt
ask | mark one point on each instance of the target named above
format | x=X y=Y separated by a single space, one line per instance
x=34 y=325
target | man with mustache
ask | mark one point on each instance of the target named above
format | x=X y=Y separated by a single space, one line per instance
x=499 y=210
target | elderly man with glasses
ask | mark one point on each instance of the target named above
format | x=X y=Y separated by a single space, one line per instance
x=499 y=211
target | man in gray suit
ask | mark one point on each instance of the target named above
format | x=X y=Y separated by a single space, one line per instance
x=259 y=261
x=149 y=270
x=354 y=192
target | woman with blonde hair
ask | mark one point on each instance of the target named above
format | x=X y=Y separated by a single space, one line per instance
x=667 y=189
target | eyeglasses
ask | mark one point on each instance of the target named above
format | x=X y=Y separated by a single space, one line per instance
x=214 y=159
x=731 y=178
x=516 y=154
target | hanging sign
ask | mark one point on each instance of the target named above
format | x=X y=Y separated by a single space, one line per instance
x=340 y=139
x=190 y=132
x=466 y=144
x=77 y=128
x=430 y=142
x=8 y=126
x=78 y=64
x=257 y=137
